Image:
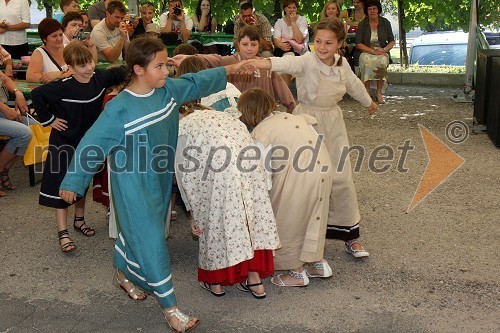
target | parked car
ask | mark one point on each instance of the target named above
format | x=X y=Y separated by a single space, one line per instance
x=440 y=48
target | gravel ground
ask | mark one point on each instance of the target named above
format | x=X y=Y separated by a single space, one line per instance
x=432 y=269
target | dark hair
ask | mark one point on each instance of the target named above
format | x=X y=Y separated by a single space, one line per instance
x=249 y=31
x=192 y=64
x=76 y=53
x=71 y=16
x=198 y=9
x=48 y=26
x=65 y=3
x=141 y=52
x=246 y=6
x=255 y=105
x=185 y=48
x=335 y=25
x=371 y=3
x=83 y=13
x=116 y=5
x=286 y=3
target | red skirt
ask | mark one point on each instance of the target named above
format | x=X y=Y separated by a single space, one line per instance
x=262 y=262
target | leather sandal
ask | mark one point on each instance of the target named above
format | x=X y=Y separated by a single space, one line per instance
x=248 y=288
x=136 y=295
x=68 y=246
x=6 y=184
x=182 y=320
x=83 y=228
x=276 y=280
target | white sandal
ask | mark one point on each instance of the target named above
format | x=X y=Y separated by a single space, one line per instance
x=276 y=280
x=320 y=266
x=182 y=320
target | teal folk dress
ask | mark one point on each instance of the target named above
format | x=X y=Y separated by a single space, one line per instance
x=139 y=133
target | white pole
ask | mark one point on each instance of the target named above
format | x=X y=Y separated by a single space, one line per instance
x=471 y=55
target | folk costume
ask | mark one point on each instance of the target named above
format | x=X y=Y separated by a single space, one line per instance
x=139 y=133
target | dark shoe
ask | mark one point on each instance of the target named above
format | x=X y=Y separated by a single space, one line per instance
x=248 y=288
x=207 y=286
x=67 y=246
x=82 y=227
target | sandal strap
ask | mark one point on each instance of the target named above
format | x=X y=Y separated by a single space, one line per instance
x=62 y=233
x=182 y=319
x=253 y=284
x=296 y=275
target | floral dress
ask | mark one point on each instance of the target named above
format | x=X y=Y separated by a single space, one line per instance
x=228 y=196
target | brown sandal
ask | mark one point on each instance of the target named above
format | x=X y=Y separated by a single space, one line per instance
x=83 y=228
x=6 y=184
x=68 y=246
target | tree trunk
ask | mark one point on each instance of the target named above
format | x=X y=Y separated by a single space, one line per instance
x=277 y=10
x=403 y=52
x=48 y=10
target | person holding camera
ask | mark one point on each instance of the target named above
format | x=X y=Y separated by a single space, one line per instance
x=176 y=21
x=72 y=24
x=111 y=34
x=248 y=16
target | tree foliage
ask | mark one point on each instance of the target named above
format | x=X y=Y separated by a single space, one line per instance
x=427 y=14
x=431 y=15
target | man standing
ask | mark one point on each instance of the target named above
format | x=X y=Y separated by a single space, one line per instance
x=249 y=17
x=176 y=21
x=97 y=12
x=110 y=35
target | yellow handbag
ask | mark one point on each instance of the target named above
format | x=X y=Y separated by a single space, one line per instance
x=38 y=147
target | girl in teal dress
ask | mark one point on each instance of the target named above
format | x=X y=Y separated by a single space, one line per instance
x=138 y=130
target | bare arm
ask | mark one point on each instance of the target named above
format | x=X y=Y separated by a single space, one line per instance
x=113 y=53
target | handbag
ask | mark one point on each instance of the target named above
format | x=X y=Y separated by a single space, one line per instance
x=38 y=147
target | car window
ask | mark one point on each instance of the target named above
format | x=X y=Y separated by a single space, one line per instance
x=448 y=54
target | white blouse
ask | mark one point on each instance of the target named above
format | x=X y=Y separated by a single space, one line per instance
x=16 y=11
x=308 y=69
x=281 y=29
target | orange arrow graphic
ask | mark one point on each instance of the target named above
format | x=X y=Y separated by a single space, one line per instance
x=442 y=163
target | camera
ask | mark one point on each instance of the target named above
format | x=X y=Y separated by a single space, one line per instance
x=82 y=35
x=177 y=10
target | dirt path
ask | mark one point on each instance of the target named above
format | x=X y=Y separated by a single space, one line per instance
x=433 y=269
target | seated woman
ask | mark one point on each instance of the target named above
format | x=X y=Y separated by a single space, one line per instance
x=47 y=62
x=203 y=20
x=290 y=32
x=72 y=24
x=374 y=40
x=11 y=124
x=147 y=15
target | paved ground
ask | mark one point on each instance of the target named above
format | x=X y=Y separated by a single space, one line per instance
x=433 y=269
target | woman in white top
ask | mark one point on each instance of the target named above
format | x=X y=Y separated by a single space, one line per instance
x=72 y=24
x=14 y=20
x=47 y=62
x=290 y=32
